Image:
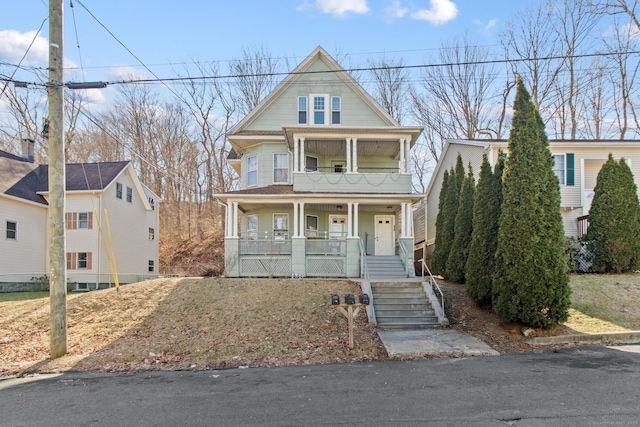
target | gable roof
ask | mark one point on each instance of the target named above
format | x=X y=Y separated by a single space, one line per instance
x=318 y=54
x=24 y=180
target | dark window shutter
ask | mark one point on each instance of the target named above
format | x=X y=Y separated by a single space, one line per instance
x=570 y=169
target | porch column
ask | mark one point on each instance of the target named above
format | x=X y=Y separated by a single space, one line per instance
x=348 y=155
x=302 y=159
x=356 y=215
x=296 y=157
x=401 y=162
x=234 y=220
x=301 y=225
x=227 y=220
x=349 y=219
x=407 y=155
x=295 y=219
x=403 y=215
x=354 y=169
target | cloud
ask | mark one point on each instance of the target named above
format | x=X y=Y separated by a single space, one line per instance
x=491 y=24
x=338 y=8
x=127 y=72
x=441 y=12
x=395 y=11
x=14 y=44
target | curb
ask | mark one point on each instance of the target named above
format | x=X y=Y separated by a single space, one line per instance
x=629 y=337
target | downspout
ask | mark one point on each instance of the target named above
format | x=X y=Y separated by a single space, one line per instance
x=99 y=246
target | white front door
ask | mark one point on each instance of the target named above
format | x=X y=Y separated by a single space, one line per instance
x=384 y=235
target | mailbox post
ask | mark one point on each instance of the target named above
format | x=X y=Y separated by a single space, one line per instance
x=347 y=309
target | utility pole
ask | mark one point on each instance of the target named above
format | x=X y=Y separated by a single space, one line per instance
x=56 y=222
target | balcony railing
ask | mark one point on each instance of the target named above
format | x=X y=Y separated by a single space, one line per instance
x=265 y=247
x=366 y=180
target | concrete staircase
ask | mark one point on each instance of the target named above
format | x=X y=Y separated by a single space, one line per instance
x=402 y=305
x=384 y=267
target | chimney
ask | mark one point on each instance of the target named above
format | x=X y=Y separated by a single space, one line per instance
x=28 y=149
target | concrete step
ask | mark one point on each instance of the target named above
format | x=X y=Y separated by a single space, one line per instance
x=379 y=300
x=405 y=319
x=408 y=325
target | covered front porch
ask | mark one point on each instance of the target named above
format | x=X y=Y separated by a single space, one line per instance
x=315 y=237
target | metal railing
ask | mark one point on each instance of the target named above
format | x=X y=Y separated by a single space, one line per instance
x=407 y=260
x=434 y=286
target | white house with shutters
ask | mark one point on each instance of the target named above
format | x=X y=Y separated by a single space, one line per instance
x=94 y=192
x=325 y=179
x=577 y=164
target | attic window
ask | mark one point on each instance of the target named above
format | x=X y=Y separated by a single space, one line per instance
x=335 y=110
x=302 y=110
x=318 y=110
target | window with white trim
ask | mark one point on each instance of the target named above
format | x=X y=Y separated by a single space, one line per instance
x=152 y=233
x=319 y=109
x=152 y=266
x=252 y=227
x=129 y=194
x=335 y=110
x=311 y=164
x=280 y=226
x=312 y=226
x=79 y=220
x=118 y=190
x=302 y=110
x=79 y=260
x=252 y=171
x=12 y=230
x=559 y=167
x=281 y=168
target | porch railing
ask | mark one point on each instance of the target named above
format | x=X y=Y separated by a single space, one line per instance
x=329 y=247
x=265 y=247
x=583 y=225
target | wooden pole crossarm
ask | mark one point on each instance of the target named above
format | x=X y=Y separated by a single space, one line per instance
x=349 y=313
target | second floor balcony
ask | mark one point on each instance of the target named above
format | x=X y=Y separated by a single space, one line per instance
x=350 y=160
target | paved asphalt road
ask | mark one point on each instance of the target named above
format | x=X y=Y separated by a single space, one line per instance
x=590 y=386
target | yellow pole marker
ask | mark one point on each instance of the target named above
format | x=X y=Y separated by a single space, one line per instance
x=104 y=245
x=113 y=254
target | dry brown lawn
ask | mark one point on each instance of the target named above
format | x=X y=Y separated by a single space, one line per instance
x=189 y=324
x=207 y=323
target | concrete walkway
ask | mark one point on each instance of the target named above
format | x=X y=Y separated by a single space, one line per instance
x=399 y=342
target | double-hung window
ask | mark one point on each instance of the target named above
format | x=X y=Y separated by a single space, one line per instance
x=79 y=220
x=129 y=194
x=335 y=110
x=79 y=260
x=281 y=168
x=252 y=227
x=118 y=190
x=559 y=167
x=152 y=233
x=302 y=110
x=319 y=109
x=12 y=230
x=280 y=226
x=252 y=171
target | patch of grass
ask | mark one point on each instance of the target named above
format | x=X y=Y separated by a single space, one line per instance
x=605 y=302
x=22 y=296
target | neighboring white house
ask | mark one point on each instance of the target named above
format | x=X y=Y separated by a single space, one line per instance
x=325 y=179
x=577 y=164
x=93 y=192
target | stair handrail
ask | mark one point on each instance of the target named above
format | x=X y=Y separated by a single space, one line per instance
x=434 y=285
x=404 y=257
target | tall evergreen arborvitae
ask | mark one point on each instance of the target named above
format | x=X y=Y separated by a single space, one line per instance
x=448 y=212
x=531 y=284
x=459 y=252
x=614 y=219
x=484 y=238
x=437 y=266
